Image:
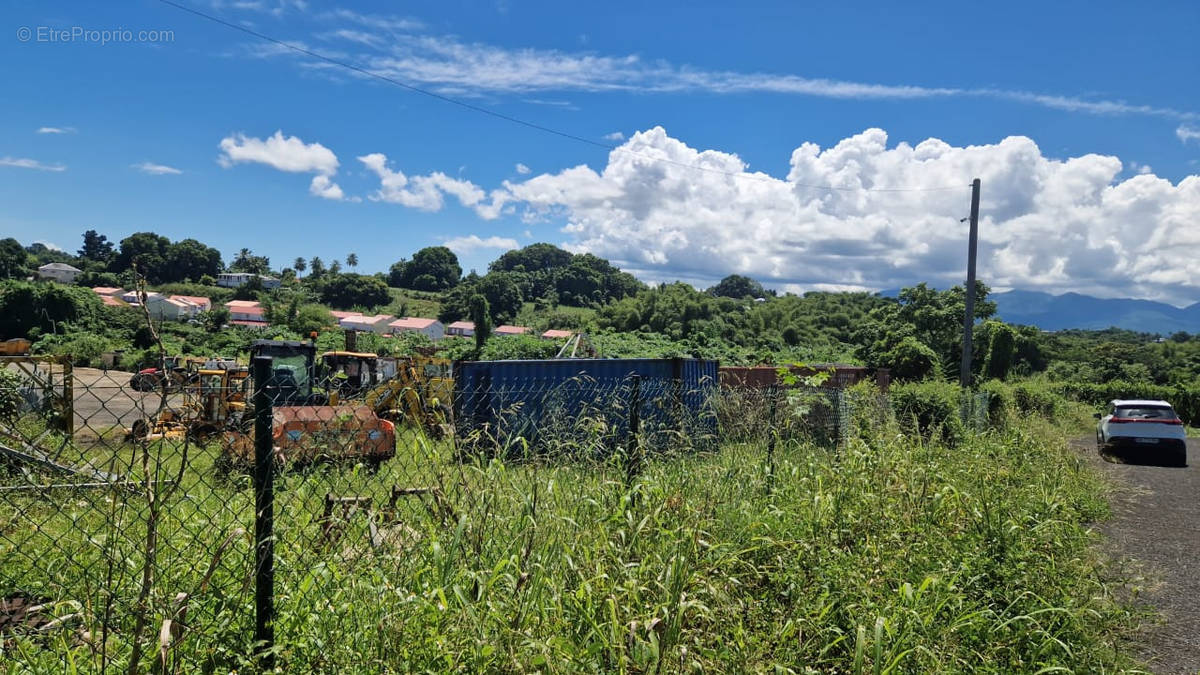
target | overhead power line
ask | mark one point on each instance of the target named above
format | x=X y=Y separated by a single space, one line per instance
x=526 y=123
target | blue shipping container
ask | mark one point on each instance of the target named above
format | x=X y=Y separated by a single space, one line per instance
x=529 y=398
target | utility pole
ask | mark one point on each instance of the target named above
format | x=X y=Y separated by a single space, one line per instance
x=969 y=318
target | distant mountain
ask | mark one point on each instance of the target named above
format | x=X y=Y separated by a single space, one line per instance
x=1075 y=310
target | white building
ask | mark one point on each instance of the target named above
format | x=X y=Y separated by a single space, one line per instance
x=168 y=309
x=430 y=328
x=200 y=304
x=60 y=272
x=461 y=329
x=367 y=324
x=235 y=279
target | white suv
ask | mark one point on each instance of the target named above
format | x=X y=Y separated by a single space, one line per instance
x=1143 y=427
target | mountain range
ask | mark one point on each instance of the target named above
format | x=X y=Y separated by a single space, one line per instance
x=1075 y=310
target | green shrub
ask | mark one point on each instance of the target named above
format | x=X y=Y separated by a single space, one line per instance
x=1001 y=401
x=930 y=408
x=1186 y=400
x=1037 y=398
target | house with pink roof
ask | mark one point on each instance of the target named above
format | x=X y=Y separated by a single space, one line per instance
x=461 y=329
x=109 y=291
x=367 y=324
x=200 y=303
x=556 y=334
x=431 y=328
x=246 y=313
x=510 y=330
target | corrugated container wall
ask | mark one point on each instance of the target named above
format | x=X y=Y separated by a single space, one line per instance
x=840 y=375
x=518 y=394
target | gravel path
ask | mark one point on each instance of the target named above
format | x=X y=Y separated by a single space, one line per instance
x=1155 y=525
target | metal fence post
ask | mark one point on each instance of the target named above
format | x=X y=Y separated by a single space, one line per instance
x=773 y=435
x=633 y=455
x=264 y=515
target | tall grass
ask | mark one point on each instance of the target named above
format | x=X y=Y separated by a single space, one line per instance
x=892 y=553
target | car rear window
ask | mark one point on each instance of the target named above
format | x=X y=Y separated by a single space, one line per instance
x=1146 y=413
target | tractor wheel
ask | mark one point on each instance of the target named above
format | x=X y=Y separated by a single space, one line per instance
x=139 y=430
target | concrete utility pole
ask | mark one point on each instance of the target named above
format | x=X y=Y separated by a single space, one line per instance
x=969 y=318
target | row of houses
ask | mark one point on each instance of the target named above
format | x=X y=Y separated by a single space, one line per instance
x=66 y=274
x=252 y=314
x=385 y=324
x=162 y=307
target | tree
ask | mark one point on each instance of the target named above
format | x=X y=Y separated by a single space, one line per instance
x=737 y=286
x=249 y=290
x=299 y=264
x=1000 y=353
x=344 y=291
x=434 y=268
x=27 y=309
x=246 y=261
x=12 y=259
x=335 y=268
x=189 y=260
x=310 y=318
x=96 y=247
x=214 y=319
x=503 y=296
x=352 y=260
x=533 y=257
x=481 y=316
x=148 y=250
x=396 y=273
x=317 y=266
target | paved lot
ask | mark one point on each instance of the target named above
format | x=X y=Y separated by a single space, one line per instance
x=1155 y=525
x=105 y=400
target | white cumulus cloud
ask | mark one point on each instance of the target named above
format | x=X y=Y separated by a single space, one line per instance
x=322 y=186
x=522 y=169
x=464 y=245
x=280 y=152
x=26 y=163
x=427 y=193
x=1187 y=133
x=1046 y=223
x=614 y=136
x=56 y=130
x=157 y=169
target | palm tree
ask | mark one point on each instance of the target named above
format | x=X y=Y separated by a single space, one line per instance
x=335 y=268
x=300 y=265
x=352 y=260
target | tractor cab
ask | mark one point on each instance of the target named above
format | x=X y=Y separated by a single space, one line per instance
x=292 y=371
x=348 y=375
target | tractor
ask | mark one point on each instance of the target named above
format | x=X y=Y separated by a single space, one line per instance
x=308 y=427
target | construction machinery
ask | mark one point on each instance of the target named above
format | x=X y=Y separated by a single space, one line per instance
x=308 y=426
x=414 y=390
x=213 y=398
x=177 y=372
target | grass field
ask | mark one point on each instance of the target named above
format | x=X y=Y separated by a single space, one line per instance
x=887 y=555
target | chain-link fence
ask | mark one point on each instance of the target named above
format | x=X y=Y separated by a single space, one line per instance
x=187 y=519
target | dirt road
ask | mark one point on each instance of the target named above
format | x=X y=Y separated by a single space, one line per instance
x=1155 y=524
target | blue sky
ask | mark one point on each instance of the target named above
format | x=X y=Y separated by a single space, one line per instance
x=1089 y=193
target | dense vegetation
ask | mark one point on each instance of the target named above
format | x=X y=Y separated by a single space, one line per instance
x=907 y=549
x=916 y=335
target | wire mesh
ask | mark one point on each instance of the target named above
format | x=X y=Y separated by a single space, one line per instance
x=127 y=508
